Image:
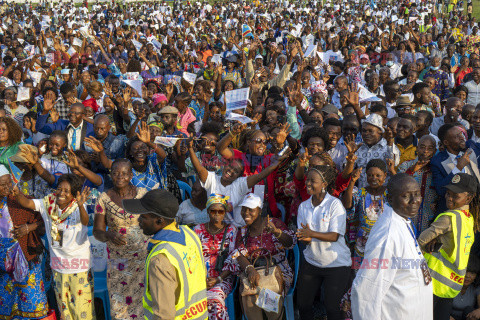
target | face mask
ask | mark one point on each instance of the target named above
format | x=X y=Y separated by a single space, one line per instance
x=435 y=68
x=364 y=66
x=389 y=63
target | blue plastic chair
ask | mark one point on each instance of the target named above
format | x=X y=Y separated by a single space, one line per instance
x=100 y=289
x=230 y=301
x=282 y=210
x=288 y=301
x=185 y=189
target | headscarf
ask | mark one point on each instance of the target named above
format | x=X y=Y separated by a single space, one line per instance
x=216 y=198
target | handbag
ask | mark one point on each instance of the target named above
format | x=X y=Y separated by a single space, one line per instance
x=223 y=253
x=270 y=277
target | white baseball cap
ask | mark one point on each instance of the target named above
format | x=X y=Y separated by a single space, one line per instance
x=252 y=201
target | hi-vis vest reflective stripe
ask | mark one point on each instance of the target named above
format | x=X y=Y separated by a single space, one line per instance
x=188 y=261
x=448 y=271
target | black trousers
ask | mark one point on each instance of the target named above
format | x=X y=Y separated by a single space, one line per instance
x=335 y=283
x=442 y=308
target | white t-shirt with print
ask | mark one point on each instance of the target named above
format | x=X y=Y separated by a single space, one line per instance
x=73 y=256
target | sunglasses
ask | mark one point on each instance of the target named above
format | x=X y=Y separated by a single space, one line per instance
x=259 y=141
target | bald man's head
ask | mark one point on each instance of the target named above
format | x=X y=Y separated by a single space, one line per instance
x=101 y=126
x=404 y=195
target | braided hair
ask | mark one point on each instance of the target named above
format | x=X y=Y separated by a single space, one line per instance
x=328 y=175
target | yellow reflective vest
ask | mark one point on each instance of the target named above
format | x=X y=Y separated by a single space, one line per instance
x=188 y=262
x=448 y=271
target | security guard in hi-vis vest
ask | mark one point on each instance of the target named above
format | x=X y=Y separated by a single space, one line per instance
x=447 y=242
x=175 y=285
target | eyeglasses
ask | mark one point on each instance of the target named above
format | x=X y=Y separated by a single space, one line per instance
x=216 y=212
x=259 y=141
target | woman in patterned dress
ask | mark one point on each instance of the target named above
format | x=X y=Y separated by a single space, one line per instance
x=125 y=242
x=365 y=205
x=22 y=294
x=217 y=237
x=272 y=236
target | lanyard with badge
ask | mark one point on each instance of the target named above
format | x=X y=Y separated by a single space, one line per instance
x=427 y=278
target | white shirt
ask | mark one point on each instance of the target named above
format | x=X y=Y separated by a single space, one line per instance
x=395 y=71
x=391 y=291
x=74 y=254
x=236 y=191
x=189 y=214
x=328 y=216
x=78 y=137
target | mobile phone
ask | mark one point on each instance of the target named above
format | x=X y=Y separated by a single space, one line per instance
x=282 y=152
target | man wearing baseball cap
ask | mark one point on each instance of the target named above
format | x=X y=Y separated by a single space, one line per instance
x=175 y=286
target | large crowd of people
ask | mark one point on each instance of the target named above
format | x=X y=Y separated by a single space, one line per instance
x=210 y=146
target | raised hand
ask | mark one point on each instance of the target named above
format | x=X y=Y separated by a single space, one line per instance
x=420 y=164
x=389 y=136
x=94 y=144
x=48 y=102
x=238 y=128
x=71 y=160
x=54 y=115
x=351 y=157
x=391 y=165
x=353 y=97
x=304 y=158
x=82 y=196
x=127 y=94
x=108 y=89
x=352 y=147
x=283 y=134
x=144 y=133
x=356 y=174
x=270 y=227
x=464 y=160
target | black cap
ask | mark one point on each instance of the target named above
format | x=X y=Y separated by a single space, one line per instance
x=462 y=182
x=159 y=202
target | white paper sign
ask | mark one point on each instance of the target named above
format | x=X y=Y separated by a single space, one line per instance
x=50 y=58
x=77 y=42
x=217 y=59
x=23 y=93
x=238 y=117
x=166 y=141
x=135 y=84
x=157 y=45
x=237 y=99
x=137 y=44
x=310 y=51
x=71 y=51
x=36 y=76
x=190 y=77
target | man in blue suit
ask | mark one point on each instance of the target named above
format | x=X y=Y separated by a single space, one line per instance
x=75 y=127
x=454 y=159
